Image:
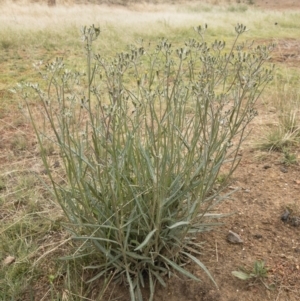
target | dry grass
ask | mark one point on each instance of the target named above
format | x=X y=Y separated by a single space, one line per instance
x=137 y=16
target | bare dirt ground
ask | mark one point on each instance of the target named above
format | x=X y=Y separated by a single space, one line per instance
x=277 y=4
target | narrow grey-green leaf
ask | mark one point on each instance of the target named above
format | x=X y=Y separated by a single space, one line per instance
x=151 y=285
x=95 y=238
x=100 y=274
x=146 y=240
x=131 y=287
x=72 y=257
x=137 y=256
x=241 y=275
x=159 y=278
x=179 y=224
x=179 y=268
x=201 y=265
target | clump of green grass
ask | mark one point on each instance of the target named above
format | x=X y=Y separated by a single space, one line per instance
x=32 y=234
x=259 y=273
x=277 y=138
x=289 y=158
x=286 y=132
x=19 y=143
x=142 y=142
x=222 y=179
x=28 y=217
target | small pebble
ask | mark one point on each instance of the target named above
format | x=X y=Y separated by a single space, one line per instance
x=283 y=169
x=234 y=238
x=285 y=215
x=56 y=164
x=294 y=221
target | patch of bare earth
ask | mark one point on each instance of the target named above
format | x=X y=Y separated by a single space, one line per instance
x=277 y=4
x=266 y=189
x=287 y=51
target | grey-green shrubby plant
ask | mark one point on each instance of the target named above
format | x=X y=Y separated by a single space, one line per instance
x=142 y=143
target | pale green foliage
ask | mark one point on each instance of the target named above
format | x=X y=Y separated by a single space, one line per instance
x=259 y=273
x=286 y=131
x=288 y=157
x=142 y=144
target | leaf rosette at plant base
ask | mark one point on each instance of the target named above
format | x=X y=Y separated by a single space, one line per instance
x=142 y=143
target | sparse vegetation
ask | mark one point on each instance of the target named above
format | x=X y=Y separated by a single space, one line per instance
x=259 y=273
x=286 y=131
x=289 y=158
